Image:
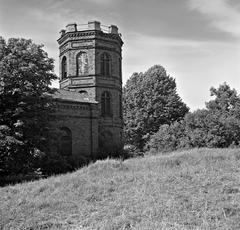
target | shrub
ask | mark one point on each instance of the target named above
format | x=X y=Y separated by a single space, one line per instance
x=168 y=138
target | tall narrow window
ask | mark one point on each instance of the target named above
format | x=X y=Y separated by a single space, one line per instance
x=105 y=64
x=106 y=104
x=120 y=105
x=120 y=67
x=65 y=142
x=64 y=68
x=82 y=63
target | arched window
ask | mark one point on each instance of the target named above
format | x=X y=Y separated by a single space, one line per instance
x=105 y=64
x=82 y=63
x=64 y=68
x=65 y=145
x=106 y=104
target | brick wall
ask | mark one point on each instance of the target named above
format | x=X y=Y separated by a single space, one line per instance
x=84 y=126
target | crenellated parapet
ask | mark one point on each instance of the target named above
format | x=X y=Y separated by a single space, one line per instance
x=87 y=33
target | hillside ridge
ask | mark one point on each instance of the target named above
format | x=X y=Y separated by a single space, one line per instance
x=194 y=189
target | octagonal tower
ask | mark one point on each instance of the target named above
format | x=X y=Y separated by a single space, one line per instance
x=91 y=64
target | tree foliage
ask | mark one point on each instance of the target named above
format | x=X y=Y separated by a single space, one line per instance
x=150 y=100
x=168 y=138
x=218 y=125
x=26 y=72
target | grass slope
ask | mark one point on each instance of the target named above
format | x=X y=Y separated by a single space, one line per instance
x=197 y=189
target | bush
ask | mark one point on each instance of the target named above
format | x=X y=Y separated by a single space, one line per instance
x=213 y=129
x=55 y=163
x=113 y=151
x=201 y=128
x=168 y=138
x=132 y=151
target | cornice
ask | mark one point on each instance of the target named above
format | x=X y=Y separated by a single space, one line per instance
x=90 y=47
x=90 y=34
x=73 y=104
x=62 y=116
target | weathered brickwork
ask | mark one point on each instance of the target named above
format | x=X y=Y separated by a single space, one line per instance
x=89 y=99
x=82 y=119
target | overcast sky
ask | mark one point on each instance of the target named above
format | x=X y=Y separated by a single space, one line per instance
x=197 y=41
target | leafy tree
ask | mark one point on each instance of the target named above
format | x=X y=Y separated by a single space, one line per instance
x=226 y=109
x=150 y=100
x=26 y=73
x=226 y=99
x=216 y=126
x=203 y=129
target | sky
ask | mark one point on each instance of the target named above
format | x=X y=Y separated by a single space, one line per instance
x=196 y=41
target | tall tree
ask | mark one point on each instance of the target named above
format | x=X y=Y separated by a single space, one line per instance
x=150 y=100
x=26 y=73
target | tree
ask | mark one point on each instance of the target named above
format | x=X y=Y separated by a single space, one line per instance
x=150 y=100
x=26 y=73
x=226 y=108
x=216 y=126
x=226 y=99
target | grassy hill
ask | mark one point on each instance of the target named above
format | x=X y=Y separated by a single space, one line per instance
x=197 y=189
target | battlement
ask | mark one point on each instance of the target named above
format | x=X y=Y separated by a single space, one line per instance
x=92 y=25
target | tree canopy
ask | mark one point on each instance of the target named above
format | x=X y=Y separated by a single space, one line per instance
x=216 y=126
x=150 y=99
x=26 y=73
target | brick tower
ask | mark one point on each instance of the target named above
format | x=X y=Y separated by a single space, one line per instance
x=91 y=65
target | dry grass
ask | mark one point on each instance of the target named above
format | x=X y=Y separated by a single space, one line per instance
x=197 y=189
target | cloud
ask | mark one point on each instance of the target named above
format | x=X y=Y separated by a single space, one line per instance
x=105 y=2
x=195 y=64
x=224 y=16
x=197 y=42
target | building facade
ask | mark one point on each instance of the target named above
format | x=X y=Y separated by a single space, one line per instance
x=89 y=101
